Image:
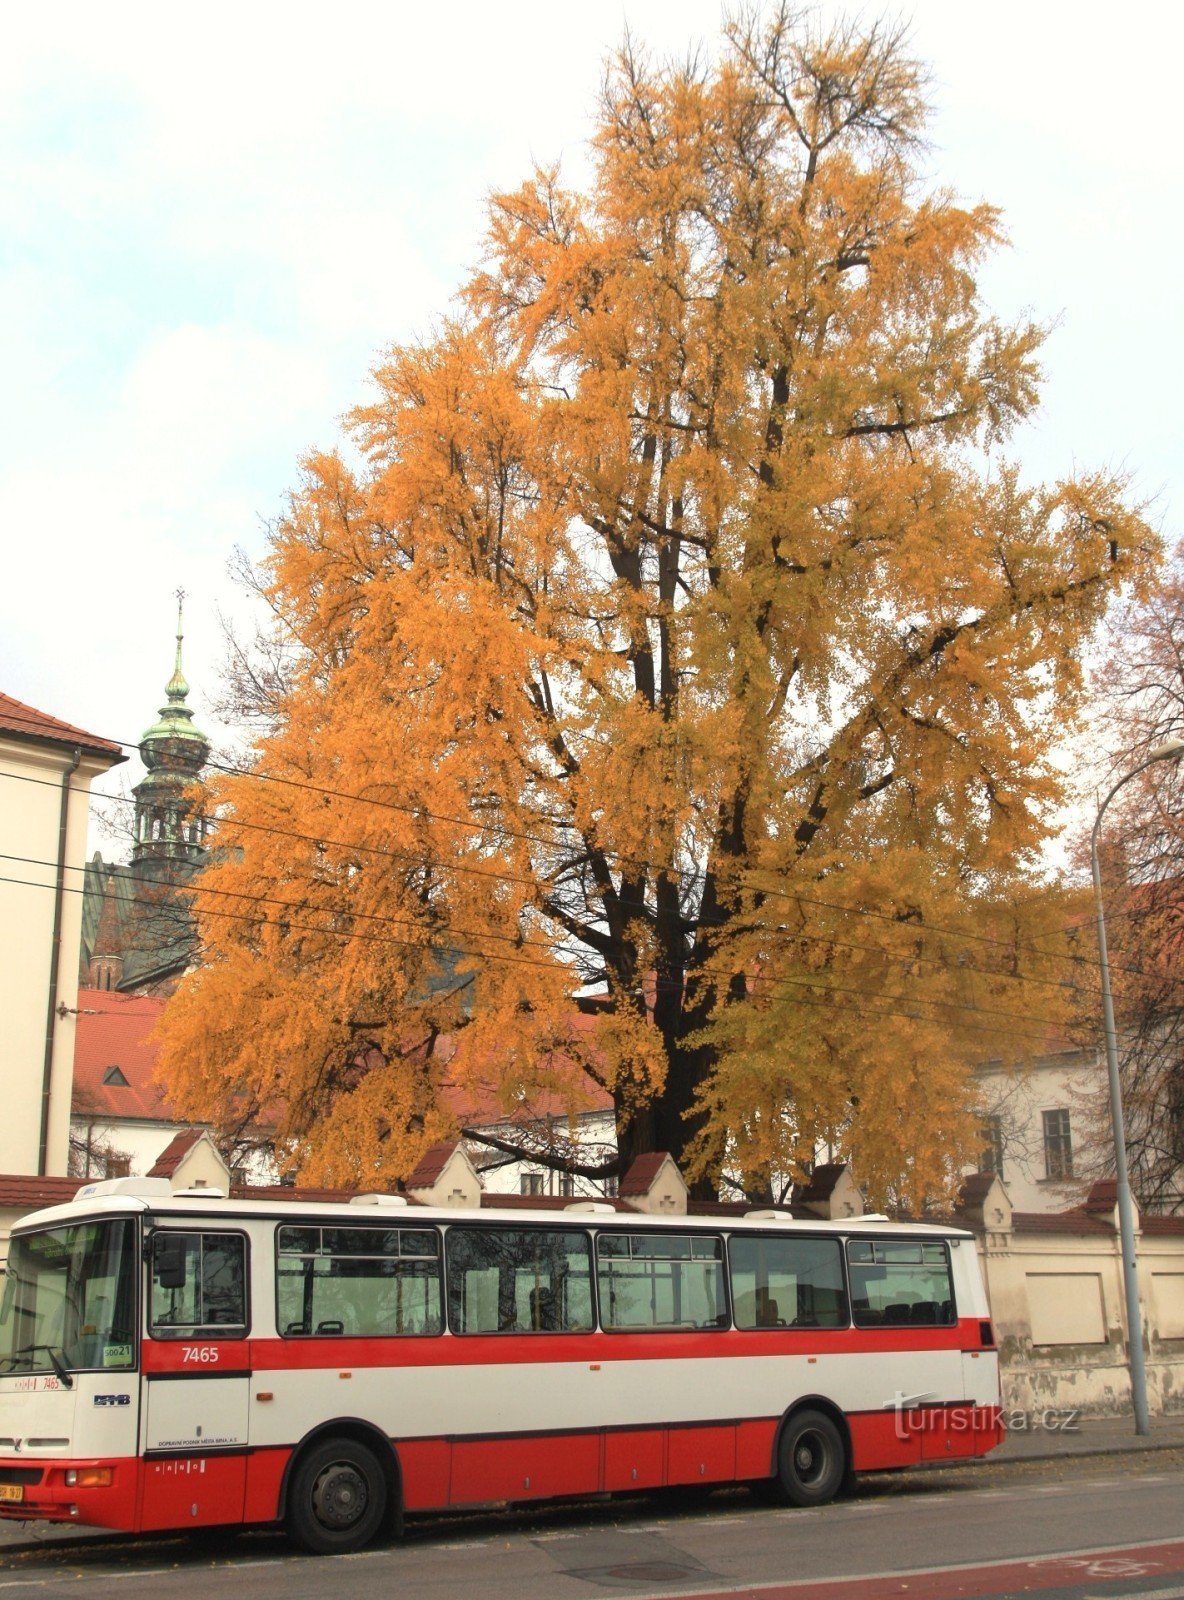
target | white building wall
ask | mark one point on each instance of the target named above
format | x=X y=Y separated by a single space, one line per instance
x=31 y=778
x=591 y=1136
x=143 y=1143
x=1073 y=1082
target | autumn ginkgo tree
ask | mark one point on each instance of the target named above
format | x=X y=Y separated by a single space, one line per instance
x=673 y=631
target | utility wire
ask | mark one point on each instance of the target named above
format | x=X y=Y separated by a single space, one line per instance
x=906 y=929
x=423 y=813
x=911 y=1001
x=478 y=933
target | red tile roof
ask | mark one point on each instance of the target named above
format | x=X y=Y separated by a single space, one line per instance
x=492 y=1201
x=1161 y=1225
x=475 y=1097
x=823 y=1182
x=1103 y=1196
x=741 y=1208
x=288 y=1191
x=33 y=1193
x=115 y=1030
x=432 y=1164
x=171 y=1157
x=26 y=722
x=640 y=1177
x=1073 y=1222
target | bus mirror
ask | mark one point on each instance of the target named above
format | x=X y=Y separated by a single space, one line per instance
x=168 y=1260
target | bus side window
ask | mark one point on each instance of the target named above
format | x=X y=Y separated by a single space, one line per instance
x=793 y=1282
x=362 y=1282
x=899 y=1283
x=661 y=1280
x=519 y=1280
x=199 y=1285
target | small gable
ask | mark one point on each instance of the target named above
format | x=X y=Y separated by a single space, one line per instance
x=654 y=1184
x=445 y=1177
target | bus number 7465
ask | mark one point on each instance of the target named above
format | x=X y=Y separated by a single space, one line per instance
x=204 y=1354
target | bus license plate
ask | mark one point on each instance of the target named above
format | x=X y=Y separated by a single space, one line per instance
x=11 y=1491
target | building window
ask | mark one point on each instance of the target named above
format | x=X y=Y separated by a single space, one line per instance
x=1058 y=1145
x=118 y=1166
x=610 y=1187
x=115 y=1078
x=567 y=1184
x=531 y=1183
x=990 y=1156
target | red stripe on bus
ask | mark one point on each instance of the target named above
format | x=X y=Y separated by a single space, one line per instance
x=441 y=1472
x=505 y=1349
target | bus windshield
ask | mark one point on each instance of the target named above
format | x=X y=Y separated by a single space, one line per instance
x=69 y=1299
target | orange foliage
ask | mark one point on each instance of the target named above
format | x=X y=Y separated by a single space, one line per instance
x=680 y=576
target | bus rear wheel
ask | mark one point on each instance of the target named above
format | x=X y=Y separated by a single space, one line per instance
x=811 y=1459
x=338 y=1498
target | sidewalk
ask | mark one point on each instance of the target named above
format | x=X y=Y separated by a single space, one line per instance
x=1091 y=1436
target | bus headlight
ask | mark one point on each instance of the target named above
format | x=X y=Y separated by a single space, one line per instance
x=89 y=1477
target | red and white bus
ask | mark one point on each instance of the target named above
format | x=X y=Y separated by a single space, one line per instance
x=179 y=1360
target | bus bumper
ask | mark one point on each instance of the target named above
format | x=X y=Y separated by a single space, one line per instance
x=95 y=1494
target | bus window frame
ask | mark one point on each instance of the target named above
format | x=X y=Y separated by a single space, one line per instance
x=513 y=1226
x=728 y=1325
x=200 y=1333
x=838 y=1239
x=920 y=1241
x=321 y=1225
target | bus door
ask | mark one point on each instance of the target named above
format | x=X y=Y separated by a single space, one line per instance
x=197 y=1378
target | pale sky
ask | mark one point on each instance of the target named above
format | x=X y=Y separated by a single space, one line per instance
x=213 y=220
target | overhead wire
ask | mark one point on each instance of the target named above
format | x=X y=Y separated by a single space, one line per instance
x=793 y=897
x=906 y=1011
x=907 y=929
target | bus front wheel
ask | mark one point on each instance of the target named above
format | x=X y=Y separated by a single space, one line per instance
x=337 y=1500
x=811 y=1459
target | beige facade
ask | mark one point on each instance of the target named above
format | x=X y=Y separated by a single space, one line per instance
x=1046 y=1116
x=44 y=782
x=1055 y=1286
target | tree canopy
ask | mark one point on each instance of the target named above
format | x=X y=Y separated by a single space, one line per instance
x=671 y=627
x=1141 y=845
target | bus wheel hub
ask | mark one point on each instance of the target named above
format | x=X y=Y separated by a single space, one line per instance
x=339 y=1496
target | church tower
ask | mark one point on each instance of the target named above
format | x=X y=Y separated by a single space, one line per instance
x=168 y=840
x=138 y=933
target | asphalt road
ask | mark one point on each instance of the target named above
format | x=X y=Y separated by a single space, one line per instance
x=1088 y=1529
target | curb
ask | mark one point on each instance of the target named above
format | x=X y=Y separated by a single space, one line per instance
x=1005 y=1458
x=74 y=1541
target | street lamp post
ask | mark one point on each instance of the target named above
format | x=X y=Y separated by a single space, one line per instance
x=1172 y=750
